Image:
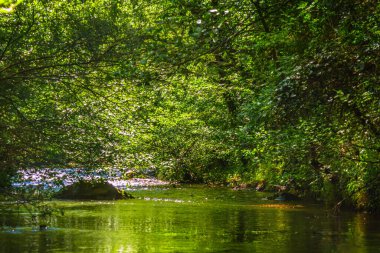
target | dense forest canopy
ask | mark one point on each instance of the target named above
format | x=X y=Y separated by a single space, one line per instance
x=281 y=92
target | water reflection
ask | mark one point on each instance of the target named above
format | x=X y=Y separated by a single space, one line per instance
x=218 y=225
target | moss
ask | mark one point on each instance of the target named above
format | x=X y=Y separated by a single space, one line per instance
x=92 y=190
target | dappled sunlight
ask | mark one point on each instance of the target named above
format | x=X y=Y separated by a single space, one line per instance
x=219 y=126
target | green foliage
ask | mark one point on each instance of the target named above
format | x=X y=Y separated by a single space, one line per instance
x=56 y=99
x=7 y=6
x=282 y=92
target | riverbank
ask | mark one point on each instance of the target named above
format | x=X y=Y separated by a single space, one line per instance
x=131 y=180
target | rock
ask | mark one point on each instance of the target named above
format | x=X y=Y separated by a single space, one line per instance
x=92 y=190
x=43 y=227
x=260 y=186
x=285 y=196
x=280 y=188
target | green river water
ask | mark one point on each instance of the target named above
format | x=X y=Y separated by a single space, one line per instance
x=193 y=219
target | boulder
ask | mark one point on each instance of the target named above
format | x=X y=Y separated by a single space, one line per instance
x=283 y=196
x=92 y=190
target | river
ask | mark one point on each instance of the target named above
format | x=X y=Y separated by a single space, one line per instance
x=192 y=219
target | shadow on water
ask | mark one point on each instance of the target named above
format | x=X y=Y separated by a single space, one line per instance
x=204 y=220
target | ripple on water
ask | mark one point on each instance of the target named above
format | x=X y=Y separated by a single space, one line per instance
x=165 y=200
x=26 y=230
x=57 y=178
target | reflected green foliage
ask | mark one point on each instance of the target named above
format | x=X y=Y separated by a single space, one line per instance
x=227 y=221
x=239 y=92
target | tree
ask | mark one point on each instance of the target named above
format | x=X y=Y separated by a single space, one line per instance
x=60 y=65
